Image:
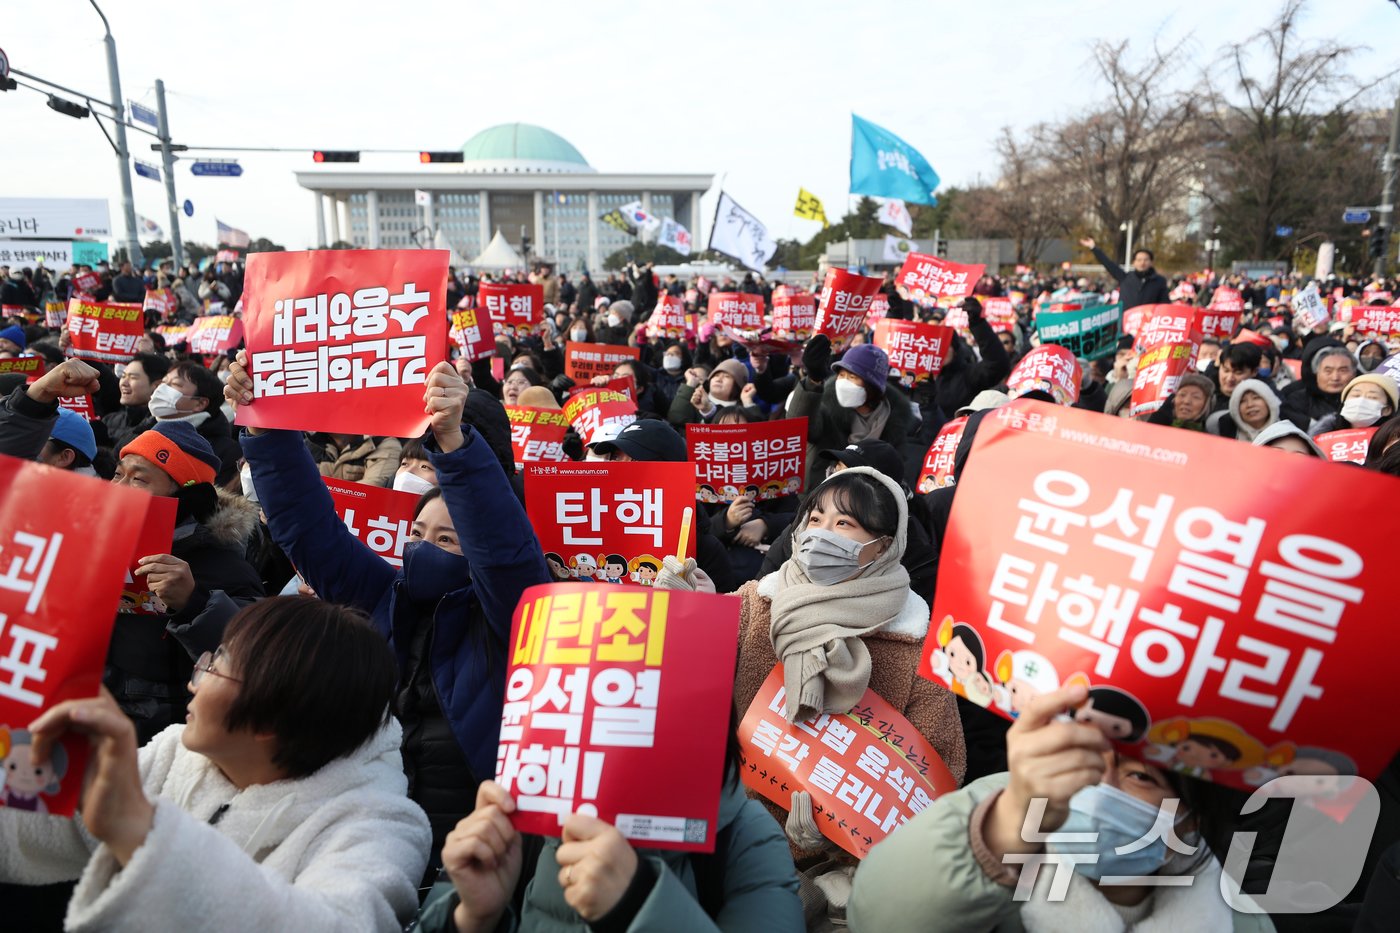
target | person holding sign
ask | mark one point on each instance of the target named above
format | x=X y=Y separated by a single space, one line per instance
x=727 y=387
x=279 y=804
x=447 y=611
x=959 y=863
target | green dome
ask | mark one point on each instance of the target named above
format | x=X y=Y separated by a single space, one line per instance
x=522 y=147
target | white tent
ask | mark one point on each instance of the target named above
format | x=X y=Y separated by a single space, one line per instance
x=498 y=254
x=454 y=259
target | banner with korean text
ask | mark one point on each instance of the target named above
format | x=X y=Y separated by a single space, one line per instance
x=104 y=331
x=537 y=434
x=1047 y=368
x=58 y=596
x=999 y=313
x=928 y=277
x=515 y=308
x=794 y=314
x=1219 y=625
x=1089 y=333
x=668 y=319
x=762 y=460
x=162 y=302
x=844 y=302
x=868 y=770
x=156 y=537
x=1167 y=344
x=381 y=518
x=475 y=339
x=736 y=311
x=343 y=340
x=31 y=367
x=1346 y=446
x=209 y=335
x=1377 y=322
x=917 y=351
x=1309 y=310
x=617 y=705
x=937 y=470
x=591 y=408
x=583 y=361
x=611 y=522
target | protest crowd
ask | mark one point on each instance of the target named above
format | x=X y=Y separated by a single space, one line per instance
x=313 y=693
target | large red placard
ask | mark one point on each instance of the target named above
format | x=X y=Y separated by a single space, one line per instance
x=583 y=361
x=928 y=276
x=917 y=351
x=844 y=303
x=106 y=332
x=764 y=460
x=537 y=434
x=515 y=308
x=381 y=518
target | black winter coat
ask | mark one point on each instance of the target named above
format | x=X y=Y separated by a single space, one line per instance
x=829 y=425
x=963 y=376
x=1135 y=288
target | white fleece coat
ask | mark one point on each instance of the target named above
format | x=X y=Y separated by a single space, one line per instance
x=342 y=849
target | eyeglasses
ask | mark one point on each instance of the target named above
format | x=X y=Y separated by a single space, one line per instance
x=205 y=665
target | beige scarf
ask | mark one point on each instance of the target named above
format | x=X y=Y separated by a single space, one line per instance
x=817 y=630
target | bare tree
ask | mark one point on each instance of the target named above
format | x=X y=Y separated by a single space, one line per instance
x=1287 y=143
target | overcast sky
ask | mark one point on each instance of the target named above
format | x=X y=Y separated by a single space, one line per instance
x=758 y=92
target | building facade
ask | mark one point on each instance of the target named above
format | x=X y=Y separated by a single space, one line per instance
x=520 y=179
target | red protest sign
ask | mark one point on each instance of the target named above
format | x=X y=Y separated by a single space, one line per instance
x=1215 y=322
x=879 y=309
x=928 y=276
x=868 y=770
x=31 y=367
x=1000 y=314
x=1133 y=319
x=1309 y=310
x=917 y=351
x=475 y=340
x=763 y=460
x=583 y=361
x=667 y=321
x=844 y=303
x=1158 y=374
x=162 y=301
x=937 y=470
x=367 y=322
x=617 y=705
x=736 y=310
x=156 y=536
x=174 y=334
x=55 y=314
x=516 y=309
x=537 y=434
x=81 y=404
x=210 y=335
x=1220 y=624
x=609 y=522
x=1163 y=324
x=794 y=315
x=1348 y=446
x=105 y=332
x=1379 y=323
x=381 y=518
x=1227 y=299
x=1047 y=368
x=592 y=407
x=57 y=595
x=86 y=284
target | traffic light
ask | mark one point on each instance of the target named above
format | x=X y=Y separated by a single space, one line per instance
x=334 y=155
x=440 y=157
x=68 y=108
x=1380 y=238
x=942 y=249
x=525 y=243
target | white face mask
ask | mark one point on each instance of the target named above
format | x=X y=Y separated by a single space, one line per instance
x=408 y=481
x=164 y=402
x=1362 y=412
x=592 y=457
x=672 y=364
x=614 y=320
x=578 y=336
x=848 y=394
x=245 y=476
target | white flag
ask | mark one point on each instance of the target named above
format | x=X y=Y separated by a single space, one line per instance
x=893 y=213
x=675 y=236
x=645 y=222
x=422 y=198
x=739 y=234
x=897 y=248
x=149 y=229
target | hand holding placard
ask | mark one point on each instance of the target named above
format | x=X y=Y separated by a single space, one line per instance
x=238 y=391
x=596 y=865
x=444 y=398
x=483 y=856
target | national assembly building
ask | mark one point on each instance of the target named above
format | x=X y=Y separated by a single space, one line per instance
x=515 y=179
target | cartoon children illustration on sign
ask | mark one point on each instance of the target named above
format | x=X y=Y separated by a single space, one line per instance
x=557 y=569
x=1329 y=773
x=614 y=569
x=644 y=569
x=1022 y=676
x=25 y=781
x=1198 y=746
x=1119 y=715
x=960 y=661
x=584 y=567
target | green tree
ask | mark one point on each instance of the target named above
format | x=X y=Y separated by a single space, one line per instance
x=264 y=245
x=642 y=253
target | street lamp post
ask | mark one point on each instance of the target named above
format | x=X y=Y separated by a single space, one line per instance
x=133 y=248
x=1128 y=251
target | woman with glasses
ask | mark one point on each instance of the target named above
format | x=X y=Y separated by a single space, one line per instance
x=281 y=803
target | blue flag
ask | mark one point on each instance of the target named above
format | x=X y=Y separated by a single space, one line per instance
x=885 y=166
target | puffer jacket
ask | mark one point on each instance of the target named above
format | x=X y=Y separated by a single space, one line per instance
x=338 y=850
x=829 y=425
x=927 y=877
x=757 y=886
x=372 y=460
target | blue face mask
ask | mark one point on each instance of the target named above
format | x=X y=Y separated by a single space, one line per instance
x=430 y=573
x=1120 y=820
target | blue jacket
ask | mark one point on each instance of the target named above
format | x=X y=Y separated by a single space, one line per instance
x=471 y=621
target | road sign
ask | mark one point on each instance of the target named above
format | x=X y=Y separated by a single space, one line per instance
x=143 y=114
x=4 y=64
x=225 y=169
x=1283 y=231
x=189 y=208
x=1356 y=217
x=147 y=170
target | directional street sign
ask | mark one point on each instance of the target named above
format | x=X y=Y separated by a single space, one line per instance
x=143 y=114
x=225 y=169
x=1356 y=217
x=147 y=170
x=189 y=208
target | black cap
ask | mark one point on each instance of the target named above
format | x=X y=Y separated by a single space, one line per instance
x=646 y=439
x=875 y=454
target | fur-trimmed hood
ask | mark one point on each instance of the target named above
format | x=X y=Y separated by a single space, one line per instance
x=234 y=521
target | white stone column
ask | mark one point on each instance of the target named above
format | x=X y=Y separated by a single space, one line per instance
x=334 y=210
x=342 y=205
x=539 y=224
x=594 y=261
x=485 y=218
x=430 y=216
x=695 y=240
x=646 y=201
x=372 y=222
x=320 y=221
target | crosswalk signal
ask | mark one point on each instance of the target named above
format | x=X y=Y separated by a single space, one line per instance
x=426 y=157
x=1380 y=238
x=334 y=155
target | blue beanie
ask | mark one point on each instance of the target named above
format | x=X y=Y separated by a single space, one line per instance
x=868 y=362
x=73 y=429
x=15 y=334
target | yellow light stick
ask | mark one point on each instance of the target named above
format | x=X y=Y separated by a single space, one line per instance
x=683 y=545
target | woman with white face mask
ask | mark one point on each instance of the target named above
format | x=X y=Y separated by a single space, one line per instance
x=956 y=865
x=840 y=617
x=1367 y=400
